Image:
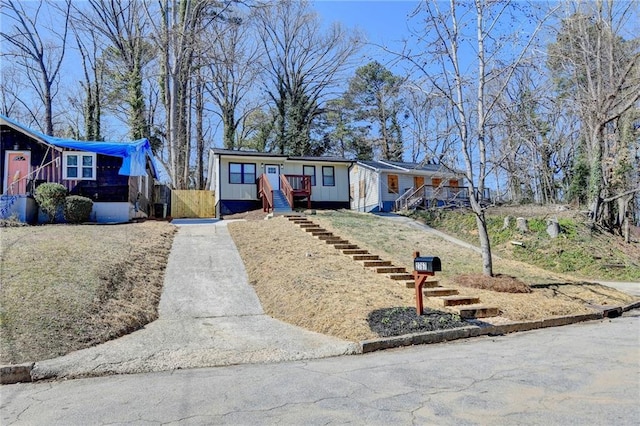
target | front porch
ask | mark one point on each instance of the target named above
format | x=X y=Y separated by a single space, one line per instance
x=430 y=196
x=292 y=188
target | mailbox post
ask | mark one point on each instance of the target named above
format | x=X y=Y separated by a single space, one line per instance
x=423 y=267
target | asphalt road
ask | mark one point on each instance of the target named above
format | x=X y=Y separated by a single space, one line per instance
x=582 y=374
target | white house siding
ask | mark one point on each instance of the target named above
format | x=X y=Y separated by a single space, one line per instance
x=337 y=193
x=237 y=191
x=231 y=197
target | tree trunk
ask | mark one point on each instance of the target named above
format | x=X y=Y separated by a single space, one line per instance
x=485 y=243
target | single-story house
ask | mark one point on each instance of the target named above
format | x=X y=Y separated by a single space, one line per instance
x=118 y=177
x=392 y=185
x=247 y=180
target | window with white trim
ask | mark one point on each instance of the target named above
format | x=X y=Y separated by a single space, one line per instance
x=79 y=165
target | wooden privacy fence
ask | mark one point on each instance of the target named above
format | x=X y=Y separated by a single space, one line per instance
x=192 y=203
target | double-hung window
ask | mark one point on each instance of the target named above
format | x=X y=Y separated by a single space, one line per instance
x=242 y=173
x=328 y=176
x=311 y=172
x=79 y=165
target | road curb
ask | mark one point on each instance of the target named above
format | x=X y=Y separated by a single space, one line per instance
x=21 y=373
x=473 y=331
x=630 y=306
x=18 y=373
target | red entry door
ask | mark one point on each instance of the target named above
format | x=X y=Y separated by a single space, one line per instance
x=16 y=172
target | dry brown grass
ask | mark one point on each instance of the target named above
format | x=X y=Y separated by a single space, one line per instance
x=302 y=280
x=499 y=283
x=65 y=287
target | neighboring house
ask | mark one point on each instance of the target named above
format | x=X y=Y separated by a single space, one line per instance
x=390 y=185
x=245 y=180
x=117 y=177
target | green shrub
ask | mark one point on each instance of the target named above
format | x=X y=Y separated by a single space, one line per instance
x=77 y=209
x=50 y=198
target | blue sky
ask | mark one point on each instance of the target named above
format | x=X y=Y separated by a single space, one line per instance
x=384 y=22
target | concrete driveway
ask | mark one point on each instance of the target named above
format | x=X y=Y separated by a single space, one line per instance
x=209 y=316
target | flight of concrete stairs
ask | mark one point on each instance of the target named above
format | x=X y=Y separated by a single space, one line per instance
x=467 y=307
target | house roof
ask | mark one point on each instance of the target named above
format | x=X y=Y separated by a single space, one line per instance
x=230 y=152
x=386 y=165
x=134 y=154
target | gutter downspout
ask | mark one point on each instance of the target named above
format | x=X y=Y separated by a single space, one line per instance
x=218 y=184
x=349 y=185
x=380 y=203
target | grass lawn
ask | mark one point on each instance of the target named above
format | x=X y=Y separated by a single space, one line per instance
x=301 y=280
x=66 y=287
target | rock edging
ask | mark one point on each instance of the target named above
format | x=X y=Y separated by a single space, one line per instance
x=491 y=330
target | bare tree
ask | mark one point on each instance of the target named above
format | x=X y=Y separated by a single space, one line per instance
x=11 y=85
x=177 y=27
x=38 y=58
x=233 y=58
x=445 y=32
x=428 y=126
x=599 y=69
x=93 y=72
x=125 y=51
x=303 y=63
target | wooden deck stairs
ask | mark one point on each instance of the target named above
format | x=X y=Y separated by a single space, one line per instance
x=466 y=307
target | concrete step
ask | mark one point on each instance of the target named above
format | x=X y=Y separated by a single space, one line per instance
x=400 y=277
x=478 y=311
x=295 y=218
x=338 y=242
x=375 y=263
x=458 y=300
x=307 y=225
x=439 y=291
x=317 y=232
x=314 y=229
x=365 y=257
x=427 y=284
x=391 y=270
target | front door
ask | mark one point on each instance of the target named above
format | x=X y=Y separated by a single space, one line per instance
x=418 y=181
x=273 y=174
x=16 y=172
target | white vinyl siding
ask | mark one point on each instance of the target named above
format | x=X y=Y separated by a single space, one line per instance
x=236 y=191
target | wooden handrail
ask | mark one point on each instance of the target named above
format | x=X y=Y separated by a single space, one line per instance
x=28 y=175
x=296 y=186
x=265 y=191
x=441 y=192
x=287 y=189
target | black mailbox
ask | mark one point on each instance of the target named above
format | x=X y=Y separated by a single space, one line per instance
x=427 y=264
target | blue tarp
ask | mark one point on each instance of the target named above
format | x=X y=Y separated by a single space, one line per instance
x=134 y=154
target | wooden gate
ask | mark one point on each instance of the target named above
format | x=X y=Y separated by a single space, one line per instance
x=192 y=203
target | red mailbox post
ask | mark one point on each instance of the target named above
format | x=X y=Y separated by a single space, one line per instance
x=423 y=267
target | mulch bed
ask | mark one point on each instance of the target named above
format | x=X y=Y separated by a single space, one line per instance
x=404 y=320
